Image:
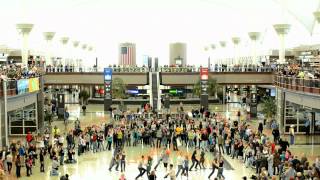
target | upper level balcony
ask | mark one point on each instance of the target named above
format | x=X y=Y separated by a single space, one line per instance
x=311 y=86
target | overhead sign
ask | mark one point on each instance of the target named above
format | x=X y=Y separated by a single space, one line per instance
x=204 y=76
x=204 y=73
x=107 y=73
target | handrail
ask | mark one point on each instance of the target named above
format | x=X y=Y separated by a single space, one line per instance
x=134 y=69
x=298 y=84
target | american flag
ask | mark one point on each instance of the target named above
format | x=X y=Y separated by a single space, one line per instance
x=127 y=55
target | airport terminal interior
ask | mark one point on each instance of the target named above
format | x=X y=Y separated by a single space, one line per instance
x=160 y=89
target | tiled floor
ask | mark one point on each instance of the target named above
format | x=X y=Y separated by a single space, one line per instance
x=95 y=165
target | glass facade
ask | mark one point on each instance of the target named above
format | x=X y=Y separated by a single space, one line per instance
x=23 y=120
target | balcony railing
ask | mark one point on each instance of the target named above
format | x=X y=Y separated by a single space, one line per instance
x=89 y=69
x=11 y=87
x=134 y=69
x=298 y=84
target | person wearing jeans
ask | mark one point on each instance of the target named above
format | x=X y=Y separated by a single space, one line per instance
x=123 y=162
x=141 y=169
x=180 y=164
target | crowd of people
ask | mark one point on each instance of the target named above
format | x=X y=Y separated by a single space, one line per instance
x=296 y=71
x=210 y=139
x=17 y=71
x=165 y=68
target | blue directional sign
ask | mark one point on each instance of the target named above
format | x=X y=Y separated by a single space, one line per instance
x=107 y=74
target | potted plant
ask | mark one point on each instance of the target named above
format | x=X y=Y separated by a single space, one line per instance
x=269 y=109
x=84 y=96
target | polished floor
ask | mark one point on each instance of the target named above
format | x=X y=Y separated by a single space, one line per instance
x=95 y=165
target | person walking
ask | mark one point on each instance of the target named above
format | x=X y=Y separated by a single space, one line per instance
x=113 y=161
x=202 y=159
x=220 y=169
x=160 y=158
x=185 y=171
x=214 y=166
x=194 y=160
x=165 y=158
x=149 y=165
x=141 y=169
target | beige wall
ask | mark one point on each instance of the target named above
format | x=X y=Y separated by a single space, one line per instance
x=222 y=78
x=167 y=78
x=93 y=78
x=21 y=101
x=303 y=99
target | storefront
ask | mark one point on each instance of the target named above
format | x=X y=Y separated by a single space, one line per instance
x=298 y=116
x=98 y=91
x=23 y=120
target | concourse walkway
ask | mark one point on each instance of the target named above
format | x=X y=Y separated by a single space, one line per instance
x=95 y=165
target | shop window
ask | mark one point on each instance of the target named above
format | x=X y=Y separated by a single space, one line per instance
x=23 y=120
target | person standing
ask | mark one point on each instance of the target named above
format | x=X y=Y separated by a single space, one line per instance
x=141 y=169
x=109 y=139
x=123 y=162
x=41 y=158
x=270 y=164
x=291 y=133
x=307 y=125
x=29 y=165
x=180 y=164
x=9 y=162
x=220 y=144
x=61 y=154
x=18 y=166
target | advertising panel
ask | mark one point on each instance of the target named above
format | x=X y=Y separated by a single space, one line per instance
x=22 y=86
x=33 y=84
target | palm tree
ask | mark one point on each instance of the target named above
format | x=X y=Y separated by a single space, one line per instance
x=213 y=88
x=118 y=88
x=84 y=96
